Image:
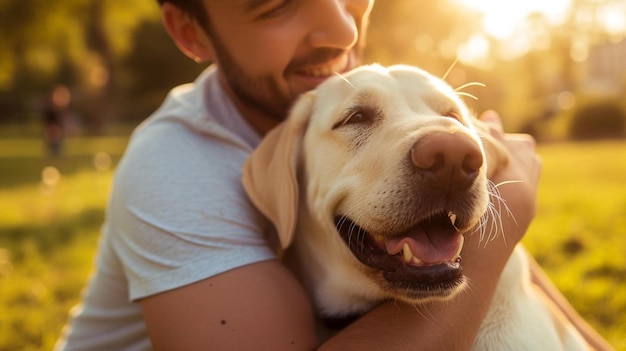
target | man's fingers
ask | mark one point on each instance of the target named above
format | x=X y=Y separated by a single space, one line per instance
x=492 y=119
x=521 y=138
x=521 y=147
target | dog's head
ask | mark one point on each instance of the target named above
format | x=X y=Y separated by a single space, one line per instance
x=378 y=173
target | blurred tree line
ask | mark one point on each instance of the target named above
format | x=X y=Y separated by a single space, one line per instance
x=118 y=63
x=537 y=79
x=114 y=56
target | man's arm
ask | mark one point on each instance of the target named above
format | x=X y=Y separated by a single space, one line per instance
x=260 y=306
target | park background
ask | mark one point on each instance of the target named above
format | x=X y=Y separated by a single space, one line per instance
x=555 y=69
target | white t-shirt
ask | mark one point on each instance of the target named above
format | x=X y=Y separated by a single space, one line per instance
x=177 y=214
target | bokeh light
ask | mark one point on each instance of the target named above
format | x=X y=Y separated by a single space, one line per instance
x=50 y=176
x=102 y=161
x=502 y=17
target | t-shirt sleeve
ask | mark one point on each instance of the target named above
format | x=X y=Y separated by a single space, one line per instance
x=178 y=212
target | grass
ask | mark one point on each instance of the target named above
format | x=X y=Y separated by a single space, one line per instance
x=579 y=234
x=49 y=228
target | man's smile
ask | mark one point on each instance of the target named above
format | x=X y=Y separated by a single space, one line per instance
x=339 y=65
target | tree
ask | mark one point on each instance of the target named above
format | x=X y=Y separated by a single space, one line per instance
x=422 y=33
x=77 y=42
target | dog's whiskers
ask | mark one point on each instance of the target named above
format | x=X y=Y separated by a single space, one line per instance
x=469 y=84
x=344 y=79
x=341 y=222
x=491 y=223
x=445 y=75
x=353 y=226
x=361 y=234
x=464 y=93
x=500 y=199
x=425 y=312
x=494 y=212
x=353 y=231
x=463 y=86
x=508 y=182
x=496 y=224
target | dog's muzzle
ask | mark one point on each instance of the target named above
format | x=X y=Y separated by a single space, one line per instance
x=423 y=261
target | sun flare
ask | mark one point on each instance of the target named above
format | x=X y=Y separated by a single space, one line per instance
x=508 y=24
x=502 y=17
x=502 y=20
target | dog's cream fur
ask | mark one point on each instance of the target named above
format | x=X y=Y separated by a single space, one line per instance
x=343 y=151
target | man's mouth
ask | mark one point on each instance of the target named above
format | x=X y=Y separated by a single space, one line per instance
x=424 y=259
x=339 y=65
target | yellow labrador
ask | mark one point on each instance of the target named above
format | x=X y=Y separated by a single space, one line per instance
x=377 y=176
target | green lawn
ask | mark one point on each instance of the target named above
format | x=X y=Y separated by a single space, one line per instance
x=579 y=235
x=49 y=230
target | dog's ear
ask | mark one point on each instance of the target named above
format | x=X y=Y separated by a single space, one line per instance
x=270 y=173
x=496 y=153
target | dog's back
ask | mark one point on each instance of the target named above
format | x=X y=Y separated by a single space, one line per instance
x=522 y=318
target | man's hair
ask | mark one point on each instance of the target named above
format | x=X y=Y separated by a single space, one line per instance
x=195 y=8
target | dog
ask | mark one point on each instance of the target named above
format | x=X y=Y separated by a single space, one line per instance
x=376 y=176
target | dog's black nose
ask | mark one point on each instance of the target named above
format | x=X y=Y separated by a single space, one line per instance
x=449 y=161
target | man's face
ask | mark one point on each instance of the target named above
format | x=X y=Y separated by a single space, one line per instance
x=271 y=51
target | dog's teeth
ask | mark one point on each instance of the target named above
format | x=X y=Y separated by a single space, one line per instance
x=452 y=217
x=458 y=252
x=407 y=255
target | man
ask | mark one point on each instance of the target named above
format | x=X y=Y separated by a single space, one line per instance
x=184 y=263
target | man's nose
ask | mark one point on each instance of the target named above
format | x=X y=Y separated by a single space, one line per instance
x=333 y=25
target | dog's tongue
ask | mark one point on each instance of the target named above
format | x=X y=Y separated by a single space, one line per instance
x=428 y=246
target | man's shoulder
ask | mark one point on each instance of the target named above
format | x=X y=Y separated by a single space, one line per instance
x=198 y=112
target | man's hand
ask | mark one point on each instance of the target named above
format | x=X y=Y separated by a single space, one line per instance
x=517 y=183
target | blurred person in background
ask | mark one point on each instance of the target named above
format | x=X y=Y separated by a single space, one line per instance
x=53 y=114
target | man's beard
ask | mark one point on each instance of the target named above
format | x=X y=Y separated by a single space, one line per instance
x=260 y=93
x=263 y=93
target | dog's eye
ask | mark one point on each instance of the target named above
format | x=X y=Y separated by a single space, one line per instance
x=357 y=116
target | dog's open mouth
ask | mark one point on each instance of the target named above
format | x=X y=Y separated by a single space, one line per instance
x=424 y=260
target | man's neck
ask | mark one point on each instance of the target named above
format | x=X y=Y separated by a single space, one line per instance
x=261 y=122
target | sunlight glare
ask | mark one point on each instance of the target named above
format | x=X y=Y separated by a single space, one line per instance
x=502 y=17
x=475 y=49
x=613 y=16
